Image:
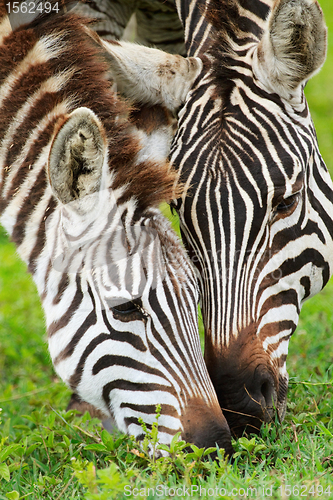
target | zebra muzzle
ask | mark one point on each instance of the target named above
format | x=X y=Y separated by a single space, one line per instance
x=206 y=426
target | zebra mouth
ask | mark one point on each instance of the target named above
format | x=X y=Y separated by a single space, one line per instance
x=206 y=426
x=248 y=405
x=240 y=421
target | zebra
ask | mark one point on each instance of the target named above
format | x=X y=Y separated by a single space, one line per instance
x=79 y=191
x=256 y=209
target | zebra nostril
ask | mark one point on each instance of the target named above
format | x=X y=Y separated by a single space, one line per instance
x=264 y=392
x=268 y=393
x=268 y=398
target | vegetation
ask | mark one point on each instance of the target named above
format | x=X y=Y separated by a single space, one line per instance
x=48 y=453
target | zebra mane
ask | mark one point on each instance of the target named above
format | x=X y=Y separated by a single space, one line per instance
x=148 y=182
x=238 y=20
x=235 y=24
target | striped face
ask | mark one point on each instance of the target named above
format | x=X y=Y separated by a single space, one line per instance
x=257 y=215
x=78 y=191
x=127 y=337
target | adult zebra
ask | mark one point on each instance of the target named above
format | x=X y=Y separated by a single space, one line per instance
x=78 y=189
x=256 y=210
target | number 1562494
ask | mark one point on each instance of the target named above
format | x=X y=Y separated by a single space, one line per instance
x=305 y=490
x=32 y=7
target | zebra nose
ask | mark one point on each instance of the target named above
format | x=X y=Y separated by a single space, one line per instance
x=248 y=401
x=206 y=426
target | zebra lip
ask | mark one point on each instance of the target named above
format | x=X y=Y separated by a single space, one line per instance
x=249 y=418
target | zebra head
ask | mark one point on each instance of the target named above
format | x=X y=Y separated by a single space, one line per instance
x=256 y=213
x=79 y=189
x=135 y=344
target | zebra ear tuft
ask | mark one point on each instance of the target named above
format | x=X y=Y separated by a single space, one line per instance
x=293 y=47
x=77 y=156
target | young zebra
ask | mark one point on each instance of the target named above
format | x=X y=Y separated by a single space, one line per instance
x=256 y=211
x=79 y=187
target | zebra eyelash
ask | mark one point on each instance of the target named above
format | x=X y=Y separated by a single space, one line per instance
x=287 y=203
x=129 y=308
x=284 y=207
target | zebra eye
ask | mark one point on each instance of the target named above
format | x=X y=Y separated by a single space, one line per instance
x=126 y=308
x=287 y=203
x=129 y=310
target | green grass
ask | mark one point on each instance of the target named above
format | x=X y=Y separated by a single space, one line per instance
x=320 y=96
x=46 y=453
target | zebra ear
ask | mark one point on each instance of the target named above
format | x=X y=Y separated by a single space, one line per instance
x=77 y=156
x=293 y=46
x=151 y=76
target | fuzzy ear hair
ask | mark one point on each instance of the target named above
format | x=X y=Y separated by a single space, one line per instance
x=293 y=46
x=151 y=76
x=77 y=156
